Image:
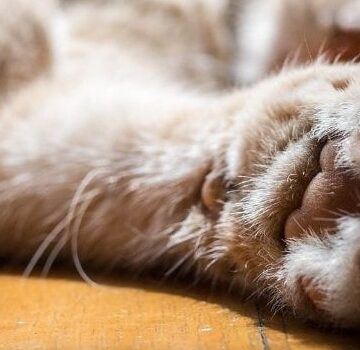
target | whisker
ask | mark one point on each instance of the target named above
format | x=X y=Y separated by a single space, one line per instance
x=43 y=246
x=53 y=255
x=87 y=180
x=74 y=240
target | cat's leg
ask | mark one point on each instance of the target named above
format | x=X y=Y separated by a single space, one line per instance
x=25 y=51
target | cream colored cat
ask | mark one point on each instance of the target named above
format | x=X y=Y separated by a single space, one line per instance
x=124 y=144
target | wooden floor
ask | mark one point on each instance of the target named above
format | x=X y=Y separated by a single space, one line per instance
x=62 y=312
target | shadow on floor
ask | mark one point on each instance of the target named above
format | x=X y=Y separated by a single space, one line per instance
x=304 y=333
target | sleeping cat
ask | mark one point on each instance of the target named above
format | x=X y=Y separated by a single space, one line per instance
x=126 y=142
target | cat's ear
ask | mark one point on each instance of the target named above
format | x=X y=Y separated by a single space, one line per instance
x=213 y=191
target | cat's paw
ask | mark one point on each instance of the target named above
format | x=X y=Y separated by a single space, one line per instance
x=299 y=194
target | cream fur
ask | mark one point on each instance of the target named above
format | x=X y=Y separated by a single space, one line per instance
x=120 y=114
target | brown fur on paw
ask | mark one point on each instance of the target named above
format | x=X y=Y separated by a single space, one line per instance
x=330 y=194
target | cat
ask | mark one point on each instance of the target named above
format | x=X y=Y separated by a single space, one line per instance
x=150 y=134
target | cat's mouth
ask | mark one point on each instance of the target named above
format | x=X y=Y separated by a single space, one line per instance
x=330 y=194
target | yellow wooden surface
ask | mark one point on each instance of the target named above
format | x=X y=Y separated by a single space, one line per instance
x=62 y=312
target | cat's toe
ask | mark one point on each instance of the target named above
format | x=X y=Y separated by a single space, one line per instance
x=321 y=275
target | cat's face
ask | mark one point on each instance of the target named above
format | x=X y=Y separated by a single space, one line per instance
x=290 y=213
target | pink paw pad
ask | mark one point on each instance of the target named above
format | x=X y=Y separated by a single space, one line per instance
x=331 y=193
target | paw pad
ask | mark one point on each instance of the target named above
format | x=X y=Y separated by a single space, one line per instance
x=330 y=194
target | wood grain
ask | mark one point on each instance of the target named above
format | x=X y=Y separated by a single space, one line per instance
x=62 y=312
